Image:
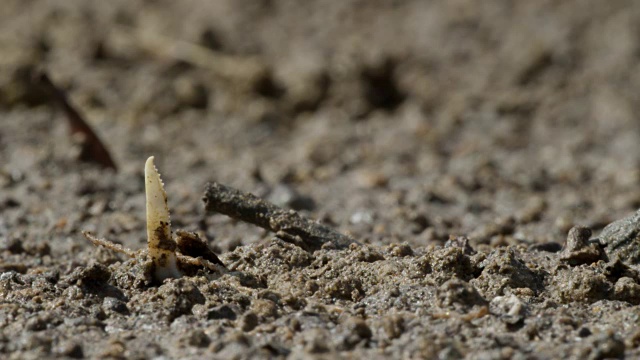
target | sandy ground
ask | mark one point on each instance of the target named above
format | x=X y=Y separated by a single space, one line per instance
x=458 y=142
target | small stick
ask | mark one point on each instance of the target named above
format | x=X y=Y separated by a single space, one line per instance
x=287 y=224
x=109 y=245
x=234 y=67
x=92 y=148
x=201 y=262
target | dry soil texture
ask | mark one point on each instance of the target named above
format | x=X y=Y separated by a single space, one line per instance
x=458 y=141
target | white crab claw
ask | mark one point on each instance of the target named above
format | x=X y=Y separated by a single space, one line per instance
x=161 y=245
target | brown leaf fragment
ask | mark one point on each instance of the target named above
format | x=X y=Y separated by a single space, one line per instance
x=93 y=150
x=190 y=244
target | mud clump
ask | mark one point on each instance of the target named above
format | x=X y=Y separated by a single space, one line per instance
x=353 y=332
x=627 y=289
x=459 y=293
x=504 y=270
x=578 y=250
x=178 y=298
x=450 y=261
x=346 y=288
x=580 y=284
x=621 y=239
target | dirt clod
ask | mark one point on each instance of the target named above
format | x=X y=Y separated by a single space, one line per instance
x=621 y=240
x=578 y=250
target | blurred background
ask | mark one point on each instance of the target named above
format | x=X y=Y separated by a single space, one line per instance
x=394 y=121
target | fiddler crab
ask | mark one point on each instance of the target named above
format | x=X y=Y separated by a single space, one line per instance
x=170 y=258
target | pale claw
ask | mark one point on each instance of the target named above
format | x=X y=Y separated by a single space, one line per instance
x=162 y=247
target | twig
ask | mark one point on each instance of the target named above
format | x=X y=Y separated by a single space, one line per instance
x=202 y=262
x=234 y=67
x=109 y=245
x=92 y=148
x=287 y=224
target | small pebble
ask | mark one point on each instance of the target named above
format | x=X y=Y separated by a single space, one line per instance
x=578 y=250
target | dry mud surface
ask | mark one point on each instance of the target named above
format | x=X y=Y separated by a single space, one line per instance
x=475 y=149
